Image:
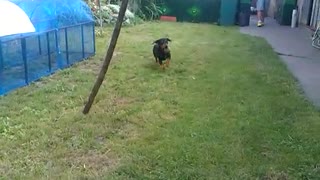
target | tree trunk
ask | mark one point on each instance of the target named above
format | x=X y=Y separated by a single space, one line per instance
x=107 y=58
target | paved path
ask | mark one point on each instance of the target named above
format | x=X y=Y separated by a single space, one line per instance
x=303 y=60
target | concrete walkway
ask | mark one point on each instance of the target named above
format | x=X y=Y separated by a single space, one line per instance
x=294 y=47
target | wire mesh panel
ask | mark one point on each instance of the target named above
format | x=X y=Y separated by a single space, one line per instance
x=12 y=71
x=89 y=40
x=77 y=42
x=24 y=59
x=74 y=39
x=39 y=50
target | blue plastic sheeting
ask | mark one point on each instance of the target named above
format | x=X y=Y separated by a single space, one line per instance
x=50 y=14
x=65 y=35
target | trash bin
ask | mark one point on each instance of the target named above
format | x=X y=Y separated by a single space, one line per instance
x=244 y=6
x=228 y=12
x=244 y=19
x=244 y=12
x=284 y=14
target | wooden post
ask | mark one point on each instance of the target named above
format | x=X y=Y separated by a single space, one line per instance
x=108 y=57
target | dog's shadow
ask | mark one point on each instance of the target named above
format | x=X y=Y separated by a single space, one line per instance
x=149 y=63
x=152 y=65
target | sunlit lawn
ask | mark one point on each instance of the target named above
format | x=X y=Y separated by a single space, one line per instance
x=227 y=108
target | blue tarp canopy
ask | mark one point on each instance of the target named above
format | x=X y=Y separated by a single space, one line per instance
x=52 y=14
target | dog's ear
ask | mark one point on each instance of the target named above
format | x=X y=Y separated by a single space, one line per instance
x=156 y=41
x=161 y=40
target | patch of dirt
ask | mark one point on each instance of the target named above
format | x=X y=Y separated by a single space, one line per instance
x=91 y=66
x=4 y=168
x=123 y=101
x=167 y=117
x=92 y=160
x=129 y=131
x=115 y=54
x=94 y=65
x=275 y=176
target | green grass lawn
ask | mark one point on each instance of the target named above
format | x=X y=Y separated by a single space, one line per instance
x=227 y=108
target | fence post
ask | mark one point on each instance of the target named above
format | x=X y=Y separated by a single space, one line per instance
x=1 y=65
x=39 y=43
x=1 y=57
x=67 y=46
x=49 y=51
x=82 y=42
x=94 y=38
x=24 y=58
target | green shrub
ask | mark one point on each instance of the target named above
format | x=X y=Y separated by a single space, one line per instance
x=142 y=10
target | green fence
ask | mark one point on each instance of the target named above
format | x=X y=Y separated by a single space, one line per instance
x=192 y=10
x=223 y=12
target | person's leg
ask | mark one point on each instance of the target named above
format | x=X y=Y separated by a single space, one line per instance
x=260 y=16
x=260 y=11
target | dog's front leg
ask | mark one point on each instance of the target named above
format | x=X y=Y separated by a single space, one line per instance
x=168 y=62
x=162 y=66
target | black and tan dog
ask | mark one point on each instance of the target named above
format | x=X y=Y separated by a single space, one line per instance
x=161 y=52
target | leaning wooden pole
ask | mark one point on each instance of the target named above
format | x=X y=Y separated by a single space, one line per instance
x=108 y=57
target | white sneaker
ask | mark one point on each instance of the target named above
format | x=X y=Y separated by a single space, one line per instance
x=260 y=24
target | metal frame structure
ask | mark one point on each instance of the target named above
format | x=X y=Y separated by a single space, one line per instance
x=316 y=37
x=27 y=58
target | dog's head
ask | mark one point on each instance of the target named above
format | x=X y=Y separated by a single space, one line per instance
x=163 y=43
